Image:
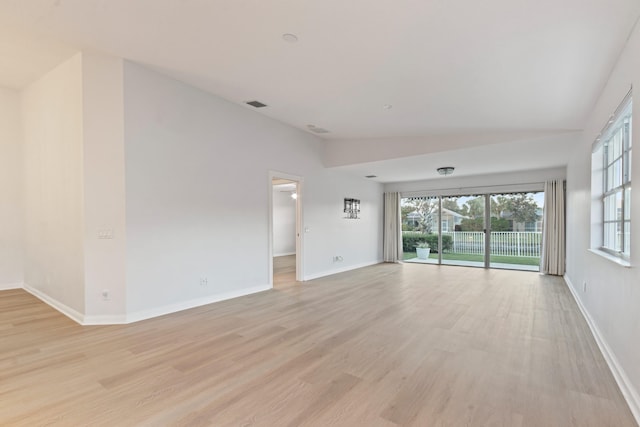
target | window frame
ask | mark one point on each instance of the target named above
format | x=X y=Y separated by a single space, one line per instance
x=619 y=129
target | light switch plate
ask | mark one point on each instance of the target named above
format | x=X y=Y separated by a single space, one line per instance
x=105 y=233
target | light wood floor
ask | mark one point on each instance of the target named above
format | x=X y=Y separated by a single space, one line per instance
x=284 y=271
x=386 y=345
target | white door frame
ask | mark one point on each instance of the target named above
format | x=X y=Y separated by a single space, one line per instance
x=299 y=226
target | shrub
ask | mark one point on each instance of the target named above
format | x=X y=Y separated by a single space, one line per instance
x=411 y=239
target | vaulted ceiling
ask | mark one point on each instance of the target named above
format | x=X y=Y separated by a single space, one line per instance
x=360 y=69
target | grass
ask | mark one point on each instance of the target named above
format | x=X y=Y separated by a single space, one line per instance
x=480 y=258
x=520 y=260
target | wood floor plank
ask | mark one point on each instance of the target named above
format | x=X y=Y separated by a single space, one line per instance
x=388 y=345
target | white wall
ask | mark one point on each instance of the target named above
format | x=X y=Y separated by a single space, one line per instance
x=284 y=223
x=612 y=298
x=339 y=152
x=54 y=229
x=357 y=241
x=103 y=186
x=197 y=170
x=11 y=173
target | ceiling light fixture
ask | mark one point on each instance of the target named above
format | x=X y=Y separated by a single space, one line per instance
x=445 y=170
x=315 y=129
x=290 y=38
x=256 y=104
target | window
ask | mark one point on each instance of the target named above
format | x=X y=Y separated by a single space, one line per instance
x=445 y=225
x=611 y=166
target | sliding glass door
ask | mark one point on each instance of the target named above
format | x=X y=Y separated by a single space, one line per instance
x=462 y=223
x=420 y=229
x=498 y=230
x=516 y=230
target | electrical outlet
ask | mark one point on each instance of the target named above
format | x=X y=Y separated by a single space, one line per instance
x=337 y=258
x=204 y=281
x=105 y=295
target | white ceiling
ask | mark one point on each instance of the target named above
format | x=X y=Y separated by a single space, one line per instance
x=533 y=154
x=445 y=66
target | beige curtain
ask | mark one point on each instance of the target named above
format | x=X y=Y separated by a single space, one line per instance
x=392 y=235
x=552 y=260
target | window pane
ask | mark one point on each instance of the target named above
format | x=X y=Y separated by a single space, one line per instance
x=627 y=204
x=420 y=214
x=618 y=208
x=609 y=235
x=465 y=239
x=610 y=157
x=630 y=168
x=419 y=228
x=617 y=145
x=610 y=207
x=617 y=174
x=613 y=236
x=627 y=238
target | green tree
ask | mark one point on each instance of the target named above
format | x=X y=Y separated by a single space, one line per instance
x=475 y=207
x=522 y=208
x=428 y=210
x=451 y=203
x=477 y=224
x=499 y=205
x=500 y=224
x=472 y=224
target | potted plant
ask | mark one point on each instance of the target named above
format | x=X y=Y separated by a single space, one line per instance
x=423 y=250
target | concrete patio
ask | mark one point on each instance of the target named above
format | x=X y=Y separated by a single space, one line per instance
x=501 y=265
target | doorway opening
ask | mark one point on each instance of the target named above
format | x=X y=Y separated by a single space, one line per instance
x=285 y=248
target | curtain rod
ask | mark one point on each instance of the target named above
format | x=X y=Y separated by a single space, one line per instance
x=478 y=186
x=479 y=190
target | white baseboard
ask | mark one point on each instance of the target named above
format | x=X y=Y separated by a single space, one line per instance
x=140 y=315
x=9 y=286
x=284 y=254
x=119 y=319
x=340 y=270
x=62 y=308
x=626 y=387
x=185 y=305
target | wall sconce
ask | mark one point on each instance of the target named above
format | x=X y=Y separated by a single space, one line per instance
x=352 y=208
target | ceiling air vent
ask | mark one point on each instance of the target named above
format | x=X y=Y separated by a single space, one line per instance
x=256 y=104
x=316 y=129
x=371 y=176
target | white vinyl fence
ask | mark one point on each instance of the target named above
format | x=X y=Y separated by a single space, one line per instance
x=507 y=243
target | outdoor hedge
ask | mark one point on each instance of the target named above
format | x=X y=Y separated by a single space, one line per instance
x=410 y=239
